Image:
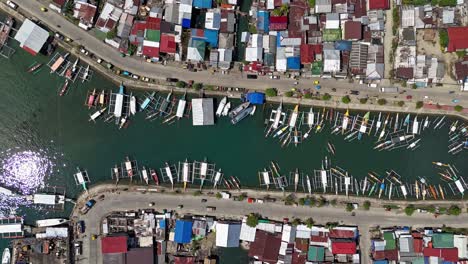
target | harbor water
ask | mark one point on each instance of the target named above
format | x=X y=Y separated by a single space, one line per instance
x=45 y=137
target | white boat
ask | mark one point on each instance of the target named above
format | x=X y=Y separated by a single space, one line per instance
x=169 y=174
x=97 y=114
x=253 y=110
x=217 y=178
x=278 y=116
x=122 y=122
x=133 y=105
x=144 y=174
x=181 y=107
x=221 y=106
x=85 y=74
x=309 y=187
x=51 y=222
x=6 y=256
x=226 y=109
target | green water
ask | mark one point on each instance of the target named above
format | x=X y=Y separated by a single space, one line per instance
x=34 y=117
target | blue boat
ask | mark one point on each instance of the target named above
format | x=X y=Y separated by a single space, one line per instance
x=147 y=101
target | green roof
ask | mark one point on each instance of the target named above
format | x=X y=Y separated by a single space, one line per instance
x=316 y=253
x=442 y=240
x=331 y=35
x=419 y=260
x=317 y=67
x=153 y=35
x=389 y=238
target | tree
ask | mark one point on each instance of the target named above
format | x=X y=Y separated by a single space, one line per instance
x=180 y=84
x=218 y=195
x=308 y=96
x=454 y=210
x=197 y=86
x=271 y=92
x=289 y=200
x=131 y=49
x=409 y=210
x=296 y=222
x=346 y=99
x=382 y=101
x=458 y=108
x=252 y=220
x=322 y=201
x=289 y=94
x=197 y=193
x=331 y=225
x=401 y=103
x=313 y=201
x=366 y=205
x=434 y=2
x=112 y=34
x=301 y=201
x=419 y=104
x=311 y=3
x=363 y=100
x=68 y=9
x=326 y=97
x=242 y=197
x=309 y=222
x=349 y=207
x=333 y=202
x=443 y=38
x=461 y=54
x=252 y=30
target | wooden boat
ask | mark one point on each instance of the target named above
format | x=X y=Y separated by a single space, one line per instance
x=154 y=175
x=293 y=118
x=236 y=182
x=309 y=187
x=185 y=173
x=226 y=109
x=169 y=174
x=5 y=30
x=227 y=184
x=85 y=74
x=64 y=88
x=144 y=174
x=58 y=62
x=275 y=168
x=35 y=67
x=133 y=105
x=116 y=173
x=122 y=122
x=296 y=179
x=344 y=126
x=90 y=101
x=102 y=98
x=181 y=106
x=331 y=148
x=129 y=167
x=97 y=114
x=441 y=192
x=238 y=109
x=147 y=101
x=416 y=189
x=221 y=106
x=6 y=256
x=217 y=178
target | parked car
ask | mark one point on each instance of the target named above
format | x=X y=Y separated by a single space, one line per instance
x=81 y=227
x=180 y=206
x=78 y=248
x=172 y=80
x=210 y=208
x=203 y=200
x=252 y=76
x=354 y=92
x=455 y=101
x=12 y=5
x=89 y=204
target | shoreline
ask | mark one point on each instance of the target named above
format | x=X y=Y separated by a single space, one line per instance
x=140 y=85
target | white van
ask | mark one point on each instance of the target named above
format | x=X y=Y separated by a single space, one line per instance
x=12 y=5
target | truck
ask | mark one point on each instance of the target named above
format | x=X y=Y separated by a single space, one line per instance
x=89 y=204
x=389 y=89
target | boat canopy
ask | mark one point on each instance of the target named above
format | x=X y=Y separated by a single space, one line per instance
x=44 y=199
x=256 y=98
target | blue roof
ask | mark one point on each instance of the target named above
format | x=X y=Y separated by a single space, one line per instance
x=343 y=45
x=278 y=39
x=186 y=22
x=380 y=261
x=211 y=36
x=263 y=20
x=256 y=98
x=183 y=231
x=293 y=63
x=162 y=223
x=202 y=3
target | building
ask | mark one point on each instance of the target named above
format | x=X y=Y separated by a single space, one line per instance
x=202 y=112
x=183 y=228
x=213 y=19
x=196 y=50
x=140 y=256
x=265 y=247
x=352 y=30
x=85 y=12
x=323 y=6
x=458 y=38
x=378 y=4
x=332 y=62
x=227 y=234
x=108 y=18
x=31 y=37
x=114 y=244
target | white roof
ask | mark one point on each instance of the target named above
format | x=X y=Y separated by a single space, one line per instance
x=331 y=61
x=11 y=228
x=407 y=18
x=193 y=54
x=202 y=111
x=461 y=242
x=379 y=245
x=52 y=232
x=253 y=54
x=448 y=16
x=247 y=233
x=290 y=41
x=31 y=36
x=213 y=19
x=267 y=227
x=149 y=43
x=44 y=199
x=333 y=21
x=289 y=233
x=227 y=234
x=225 y=55
x=281 y=61
x=302 y=231
x=256 y=40
x=270 y=4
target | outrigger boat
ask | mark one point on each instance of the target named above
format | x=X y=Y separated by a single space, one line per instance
x=414 y=145
x=416 y=189
x=90 y=101
x=5 y=30
x=85 y=74
x=147 y=101
x=294 y=116
x=277 y=119
x=331 y=148
x=217 y=177
x=6 y=256
x=221 y=106
x=144 y=174
x=165 y=104
x=102 y=98
x=395 y=127
x=133 y=109
x=363 y=127
x=58 y=62
x=97 y=114
x=64 y=88
x=440 y=122
x=71 y=70
x=154 y=175
x=185 y=173
x=169 y=174
x=296 y=179
x=226 y=109
x=181 y=106
x=129 y=168
x=379 y=123
x=344 y=126
x=309 y=187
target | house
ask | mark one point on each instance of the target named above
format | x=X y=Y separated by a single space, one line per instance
x=378 y=4
x=352 y=30
x=375 y=63
x=171 y=13
x=323 y=6
x=228 y=21
x=448 y=16
x=407 y=16
x=183 y=228
x=196 y=50
x=202 y=4
x=461 y=69
x=278 y=23
x=57 y=5
x=461 y=243
x=114 y=244
x=408 y=37
x=131 y=6
x=310 y=53
x=225 y=58
x=108 y=18
x=227 y=234
x=358 y=61
x=331 y=60
x=185 y=13
x=442 y=240
x=152 y=38
x=168 y=44
x=445 y=254
x=213 y=19
x=458 y=38
x=265 y=247
x=343 y=247
x=85 y=12
x=31 y=37
x=263 y=21
x=316 y=254
x=253 y=54
x=125 y=25
x=332 y=21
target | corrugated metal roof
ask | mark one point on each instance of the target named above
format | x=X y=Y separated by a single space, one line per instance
x=227 y=234
x=442 y=240
x=202 y=111
x=183 y=231
x=31 y=37
x=116 y=244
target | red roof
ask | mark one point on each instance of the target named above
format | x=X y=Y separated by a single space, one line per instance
x=60 y=2
x=278 y=22
x=151 y=52
x=458 y=38
x=344 y=247
x=153 y=23
x=418 y=245
x=298 y=258
x=379 y=4
x=265 y=247
x=32 y=52
x=448 y=254
x=114 y=244
x=168 y=44
x=352 y=30
x=85 y=12
x=308 y=52
x=297 y=11
x=341 y=233
x=184 y=260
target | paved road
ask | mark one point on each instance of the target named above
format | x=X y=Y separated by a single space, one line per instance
x=136 y=65
x=226 y=208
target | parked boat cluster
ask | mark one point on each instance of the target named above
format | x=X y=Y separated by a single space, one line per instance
x=183 y=172
x=389 y=184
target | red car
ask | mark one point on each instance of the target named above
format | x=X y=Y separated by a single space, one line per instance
x=409 y=97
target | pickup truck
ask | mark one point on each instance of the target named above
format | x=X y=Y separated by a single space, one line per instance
x=89 y=204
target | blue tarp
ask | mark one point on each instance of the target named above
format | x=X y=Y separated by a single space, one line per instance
x=263 y=20
x=202 y=3
x=211 y=36
x=343 y=45
x=183 y=231
x=162 y=223
x=380 y=261
x=186 y=22
x=293 y=63
x=256 y=98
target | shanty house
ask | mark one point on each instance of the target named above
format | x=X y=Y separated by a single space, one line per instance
x=227 y=234
x=85 y=12
x=108 y=18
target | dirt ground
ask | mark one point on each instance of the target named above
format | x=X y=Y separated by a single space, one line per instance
x=433 y=48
